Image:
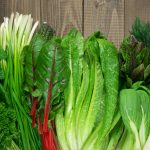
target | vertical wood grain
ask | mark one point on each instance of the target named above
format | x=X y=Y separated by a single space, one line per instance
x=62 y=15
x=113 y=17
x=106 y=16
x=135 y=8
x=50 y=12
x=29 y=7
x=6 y=8
x=22 y=6
x=2 y=10
x=70 y=15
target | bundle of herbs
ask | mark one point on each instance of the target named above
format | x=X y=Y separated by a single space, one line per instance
x=15 y=33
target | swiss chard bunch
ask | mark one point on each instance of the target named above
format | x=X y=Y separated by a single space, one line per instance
x=46 y=77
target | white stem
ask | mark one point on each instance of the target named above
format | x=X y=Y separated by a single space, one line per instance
x=32 y=32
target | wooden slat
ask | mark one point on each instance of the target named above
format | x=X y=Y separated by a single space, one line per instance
x=106 y=16
x=135 y=8
x=70 y=15
x=62 y=15
x=3 y=5
x=50 y=10
x=29 y=7
x=22 y=6
x=6 y=8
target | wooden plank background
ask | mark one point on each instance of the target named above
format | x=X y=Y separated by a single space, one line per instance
x=112 y=17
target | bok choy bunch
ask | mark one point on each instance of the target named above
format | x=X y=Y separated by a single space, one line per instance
x=135 y=110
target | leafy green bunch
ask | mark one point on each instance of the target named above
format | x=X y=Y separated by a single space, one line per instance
x=135 y=54
x=90 y=98
x=9 y=135
x=15 y=33
x=135 y=92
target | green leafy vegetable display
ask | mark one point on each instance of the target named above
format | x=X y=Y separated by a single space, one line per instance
x=71 y=92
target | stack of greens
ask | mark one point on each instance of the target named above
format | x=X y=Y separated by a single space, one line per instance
x=91 y=95
x=91 y=117
x=45 y=78
x=135 y=93
x=72 y=93
x=15 y=33
x=9 y=136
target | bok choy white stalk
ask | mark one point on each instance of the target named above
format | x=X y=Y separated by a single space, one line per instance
x=135 y=110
